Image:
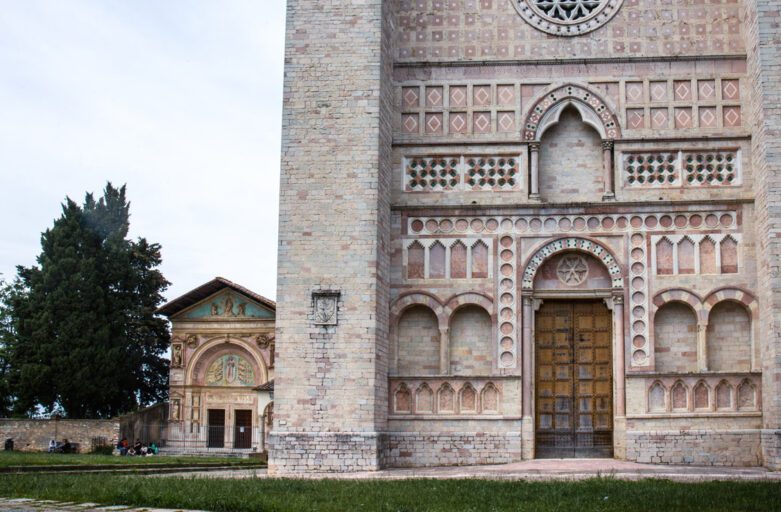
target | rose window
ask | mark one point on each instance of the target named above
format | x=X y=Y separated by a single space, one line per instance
x=567 y=17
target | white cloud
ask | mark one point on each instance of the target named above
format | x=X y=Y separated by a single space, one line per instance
x=181 y=100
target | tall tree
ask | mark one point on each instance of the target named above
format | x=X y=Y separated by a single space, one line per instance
x=87 y=340
x=6 y=334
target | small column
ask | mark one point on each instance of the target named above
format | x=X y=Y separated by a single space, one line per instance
x=534 y=157
x=527 y=421
x=619 y=416
x=620 y=355
x=607 y=162
x=262 y=433
x=702 y=346
x=444 y=350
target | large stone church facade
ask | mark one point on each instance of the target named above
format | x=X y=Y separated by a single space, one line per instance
x=513 y=229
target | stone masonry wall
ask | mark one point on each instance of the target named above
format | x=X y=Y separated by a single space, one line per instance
x=763 y=45
x=418 y=342
x=416 y=449
x=675 y=332
x=331 y=381
x=34 y=435
x=696 y=447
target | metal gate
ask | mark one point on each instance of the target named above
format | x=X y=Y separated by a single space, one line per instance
x=573 y=380
x=242 y=436
x=216 y=419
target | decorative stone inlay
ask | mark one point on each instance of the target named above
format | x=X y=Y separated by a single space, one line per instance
x=639 y=301
x=567 y=17
x=431 y=173
x=572 y=270
x=531 y=224
x=571 y=92
x=469 y=256
x=508 y=300
x=568 y=244
x=650 y=169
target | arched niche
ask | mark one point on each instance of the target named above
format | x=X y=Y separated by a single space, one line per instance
x=471 y=332
x=572 y=271
x=418 y=340
x=675 y=338
x=220 y=347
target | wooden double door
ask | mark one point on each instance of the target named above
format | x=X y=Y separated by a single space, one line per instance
x=573 y=380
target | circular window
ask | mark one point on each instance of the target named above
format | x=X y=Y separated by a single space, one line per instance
x=567 y=17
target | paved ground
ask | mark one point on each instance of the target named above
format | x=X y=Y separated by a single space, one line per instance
x=26 y=505
x=541 y=469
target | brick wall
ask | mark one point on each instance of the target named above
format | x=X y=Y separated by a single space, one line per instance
x=34 y=435
x=418 y=342
x=415 y=449
x=470 y=342
x=675 y=337
x=571 y=161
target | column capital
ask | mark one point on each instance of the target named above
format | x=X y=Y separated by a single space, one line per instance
x=607 y=144
x=534 y=145
x=618 y=299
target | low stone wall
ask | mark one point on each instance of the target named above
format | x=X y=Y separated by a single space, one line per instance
x=696 y=447
x=34 y=435
x=298 y=452
x=420 y=449
x=771 y=448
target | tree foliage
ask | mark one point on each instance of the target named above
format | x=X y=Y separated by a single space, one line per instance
x=86 y=339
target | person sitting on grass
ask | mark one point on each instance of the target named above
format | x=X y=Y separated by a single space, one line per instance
x=152 y=448
x=66 y=447
x=122 y=446
x=52 y=446
x=137 y=447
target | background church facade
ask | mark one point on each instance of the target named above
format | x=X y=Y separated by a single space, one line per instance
x=222 y=370
x=528 y=228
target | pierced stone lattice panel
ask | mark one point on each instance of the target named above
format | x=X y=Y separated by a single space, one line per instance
x=492 y=173
x=552 y=224
x=567 y=17
x=720 y=167
x=639 y=323
x=462 y=172
x=567 y=244
x=711 y=168
x=431 y=174
x=651 y=169
x=508 y=302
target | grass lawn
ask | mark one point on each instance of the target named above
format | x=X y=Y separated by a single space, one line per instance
x=78 y=459
x=602 y=494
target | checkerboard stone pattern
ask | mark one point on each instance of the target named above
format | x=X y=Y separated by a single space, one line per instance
x=415 y=129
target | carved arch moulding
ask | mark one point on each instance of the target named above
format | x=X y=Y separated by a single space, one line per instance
x=594 y=111
x=572 y=244
x=567 y=17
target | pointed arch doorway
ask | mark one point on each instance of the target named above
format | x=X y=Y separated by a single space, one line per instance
x=573 y=379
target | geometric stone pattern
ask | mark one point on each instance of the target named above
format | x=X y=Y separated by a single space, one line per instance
x=442 y=30
x=591 y=224
x=457 y=173
x=568 y=244
x=570 y=92
x=567 y=17
x=639 y=301
x=476 y=264
x=712 y=168
x=507 y=291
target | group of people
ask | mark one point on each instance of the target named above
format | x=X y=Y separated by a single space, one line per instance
x=64 y=447
x=138 y=448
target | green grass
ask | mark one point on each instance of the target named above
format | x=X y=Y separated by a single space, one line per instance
x=599 y=494
x=78 y=459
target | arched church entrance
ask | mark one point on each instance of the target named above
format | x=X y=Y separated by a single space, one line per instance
x=573 y=379
x=573 y=292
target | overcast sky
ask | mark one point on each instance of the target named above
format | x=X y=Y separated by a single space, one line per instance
x=179 y=99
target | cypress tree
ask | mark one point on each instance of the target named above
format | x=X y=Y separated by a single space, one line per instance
x=86 y=339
